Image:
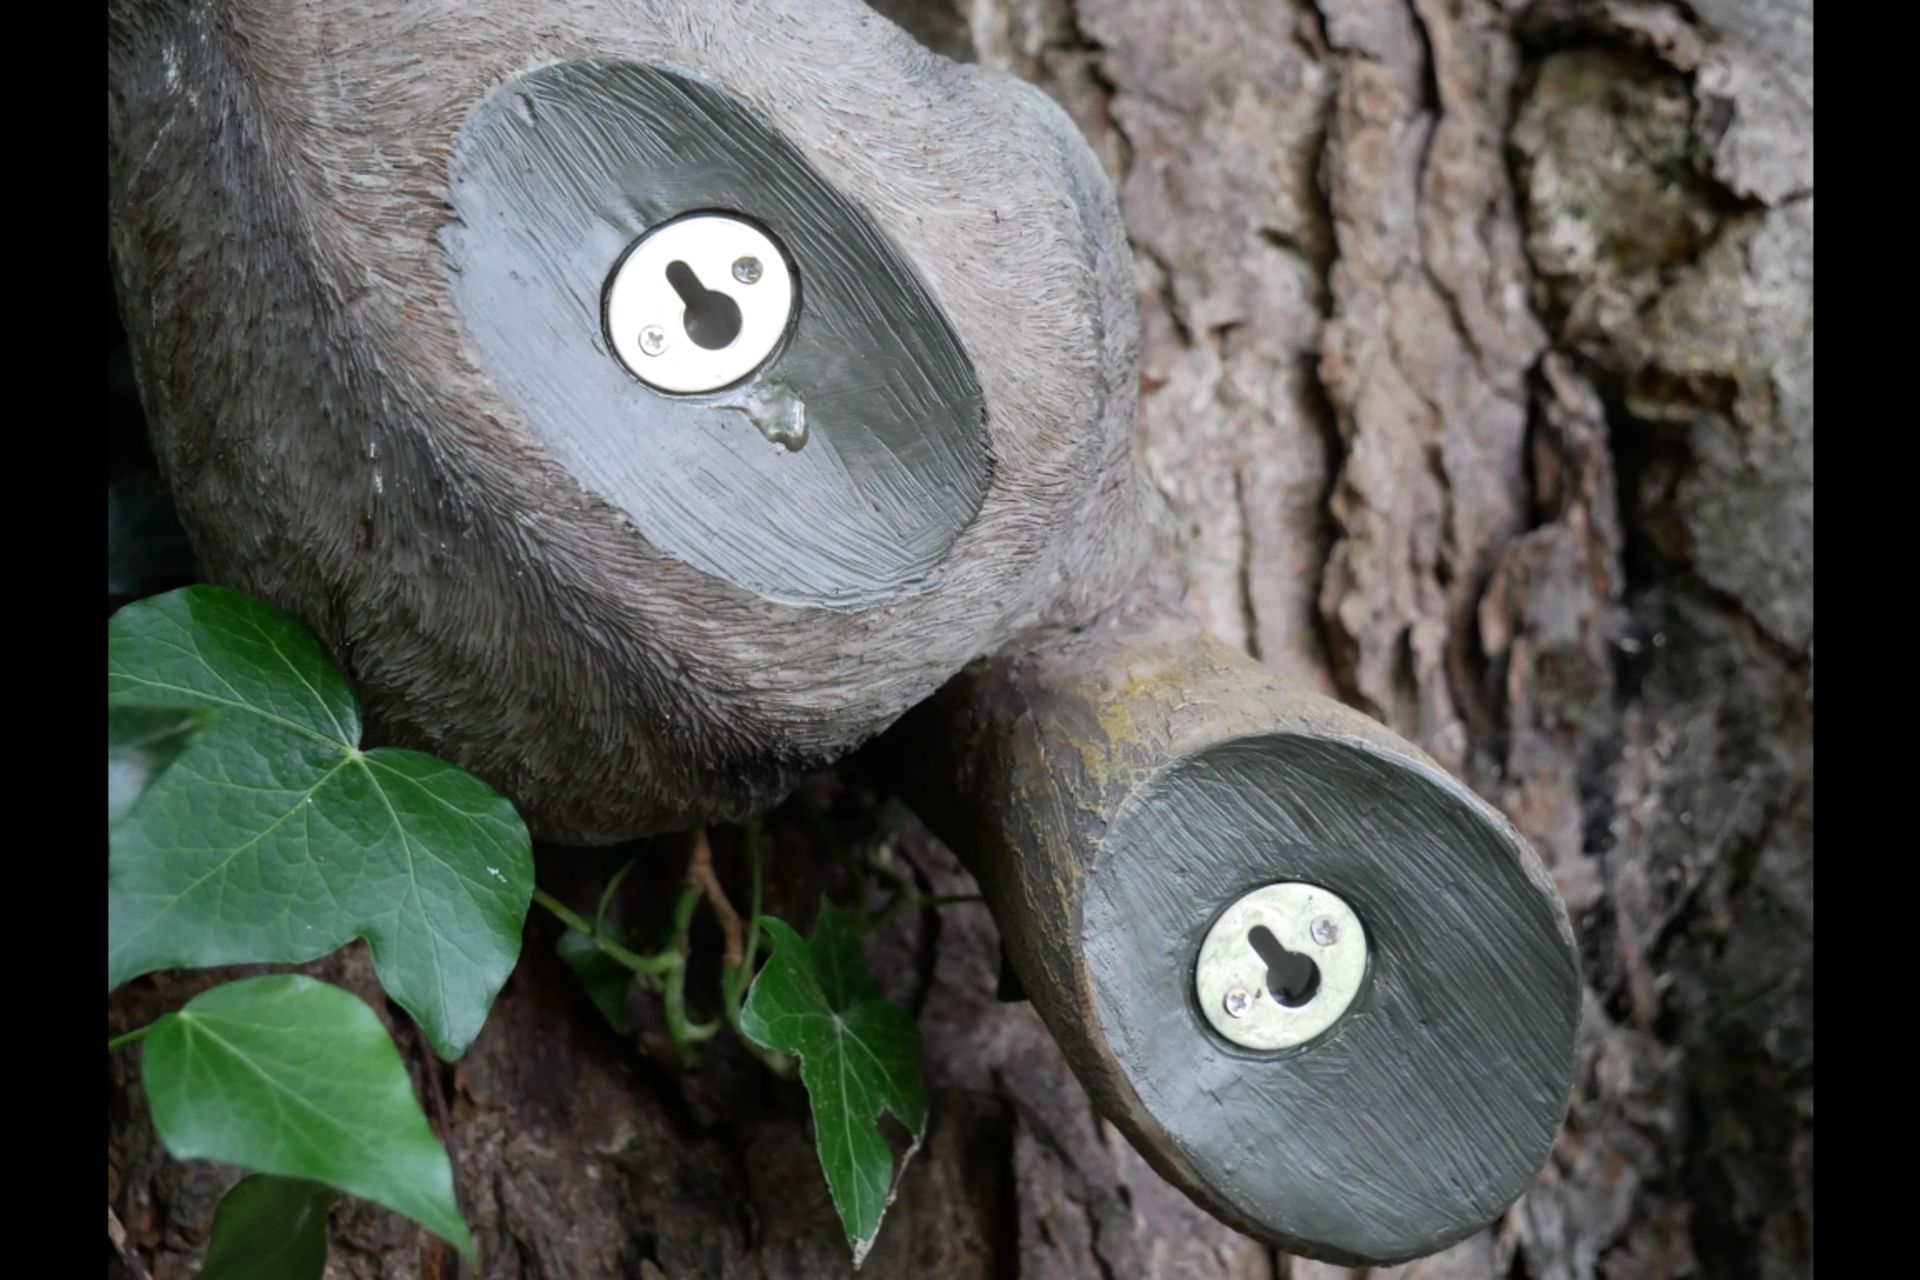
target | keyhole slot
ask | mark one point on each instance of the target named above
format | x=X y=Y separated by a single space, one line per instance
x=712 y=319
x=1292 y=979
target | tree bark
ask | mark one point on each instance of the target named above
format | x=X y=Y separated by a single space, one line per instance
x=1478 y=366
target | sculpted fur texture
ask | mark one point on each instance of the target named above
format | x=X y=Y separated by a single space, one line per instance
x=339 y=444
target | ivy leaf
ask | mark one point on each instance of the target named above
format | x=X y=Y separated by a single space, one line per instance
x=859 y=1056
x=606 y=980
x=142 y=741
x=290 y=1076
x=274 y=838
x=269 y=1228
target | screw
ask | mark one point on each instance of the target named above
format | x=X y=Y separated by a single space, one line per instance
x=1325 y=932
x=746 y=270
x=1238 y=1002
x=653 y=339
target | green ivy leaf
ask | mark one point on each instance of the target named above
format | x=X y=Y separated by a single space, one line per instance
x=290 y=1076
x=269 y=1228
x=606 y=980
x=859 y=1057
x=141 y=742
x=274 y=839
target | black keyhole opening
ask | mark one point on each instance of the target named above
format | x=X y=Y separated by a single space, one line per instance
x=712 y=319
x=1293 y=978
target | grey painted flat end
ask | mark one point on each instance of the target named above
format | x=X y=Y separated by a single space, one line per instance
x=554 y=178
x=1430 y=1105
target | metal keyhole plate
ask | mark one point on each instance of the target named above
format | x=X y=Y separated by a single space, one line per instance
x=659 y=294
x=1231 y=976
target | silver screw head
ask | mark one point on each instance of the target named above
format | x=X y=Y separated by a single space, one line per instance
x=1237 y=1002
x=653 y=339
x=746 y=270
x=1325 y=932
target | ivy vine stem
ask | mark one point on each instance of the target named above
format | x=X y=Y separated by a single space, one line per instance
x=669 y=965
x=733 y=981
x=138 y=1033
x=654 y=965
x=606 y=895
x=686 y=1035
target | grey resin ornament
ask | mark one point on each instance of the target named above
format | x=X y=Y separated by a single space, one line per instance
x=652 y=404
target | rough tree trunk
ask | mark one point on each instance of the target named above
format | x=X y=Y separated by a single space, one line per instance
x=1478 y=362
